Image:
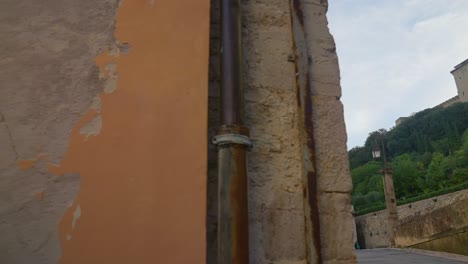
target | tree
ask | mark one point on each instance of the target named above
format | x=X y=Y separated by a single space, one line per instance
x=359 y=156
x=364 y=178
x=429 y=151
x=435 y=175
x=406 y=173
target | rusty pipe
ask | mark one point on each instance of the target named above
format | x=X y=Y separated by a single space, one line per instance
x=231 y=63
x=233 y=239
x=233 y=141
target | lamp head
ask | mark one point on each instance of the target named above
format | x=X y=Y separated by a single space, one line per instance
x=376 y=152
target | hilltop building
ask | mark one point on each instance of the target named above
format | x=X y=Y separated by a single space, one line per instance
x=460 y=74
x=400 y=120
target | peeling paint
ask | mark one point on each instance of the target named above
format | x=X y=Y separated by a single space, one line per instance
x=27 y=164
x=92 y=128
x=49 y=80
x=96 y=104
x=76 y=216
x=111 y=77
x=132 y=199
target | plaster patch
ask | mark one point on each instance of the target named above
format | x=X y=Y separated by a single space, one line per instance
x=76 y=216
x=92 y=128
x=96 y=104
x=108 y=67
x=119 y=49
x=114 y=51
x=110 y=84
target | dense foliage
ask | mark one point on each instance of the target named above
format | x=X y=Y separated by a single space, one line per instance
x=428 y=154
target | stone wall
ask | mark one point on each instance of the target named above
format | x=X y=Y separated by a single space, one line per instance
x=331 y=156
x=275 y=191
x=418 y=222
x=449 y=102
x=276 y=188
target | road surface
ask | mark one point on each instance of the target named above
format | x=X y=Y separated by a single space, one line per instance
x=395 y=256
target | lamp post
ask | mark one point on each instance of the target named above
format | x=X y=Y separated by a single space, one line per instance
x=390 y=200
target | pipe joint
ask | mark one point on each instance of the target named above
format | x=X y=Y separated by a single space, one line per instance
x=232 y=134
x=226 y=139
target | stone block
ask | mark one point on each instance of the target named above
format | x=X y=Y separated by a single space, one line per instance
x=330 y=145
x=276 y=215
x=281 y=228
x=336 y=227
x=274 y=13
x=266 y=52
x=324 y=70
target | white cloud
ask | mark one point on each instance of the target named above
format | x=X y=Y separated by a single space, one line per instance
x=395 y=57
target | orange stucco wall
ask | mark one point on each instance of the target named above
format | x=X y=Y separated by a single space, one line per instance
x=143 y=176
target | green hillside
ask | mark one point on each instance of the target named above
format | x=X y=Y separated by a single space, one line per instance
x=428 y=154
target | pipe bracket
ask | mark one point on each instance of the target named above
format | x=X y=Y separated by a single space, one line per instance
x=225 y=139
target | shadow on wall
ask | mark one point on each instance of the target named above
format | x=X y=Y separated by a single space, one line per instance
x=456 y=243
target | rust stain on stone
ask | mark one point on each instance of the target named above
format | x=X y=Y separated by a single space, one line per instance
x=143 y=177
x=304 y=100
x=298 y=10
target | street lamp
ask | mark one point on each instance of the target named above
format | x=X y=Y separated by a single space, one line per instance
x=390 y=200
x=376 y=152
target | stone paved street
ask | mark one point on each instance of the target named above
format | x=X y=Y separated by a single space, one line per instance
x=392 y=256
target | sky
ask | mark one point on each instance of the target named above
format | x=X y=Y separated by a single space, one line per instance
x=395 y=58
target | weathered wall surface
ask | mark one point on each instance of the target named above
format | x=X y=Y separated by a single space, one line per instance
x=450 y=102
x=434 y=218
x=372 y=230
x=48 y=80
x=93 y=129
x=276 y=203
x=460 y=75
x=452 y=243
x=445 y=224
x=331 y=156
x=102 y=101
x=275 y=187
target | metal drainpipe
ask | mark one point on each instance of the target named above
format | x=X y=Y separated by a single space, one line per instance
x=233 y=141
